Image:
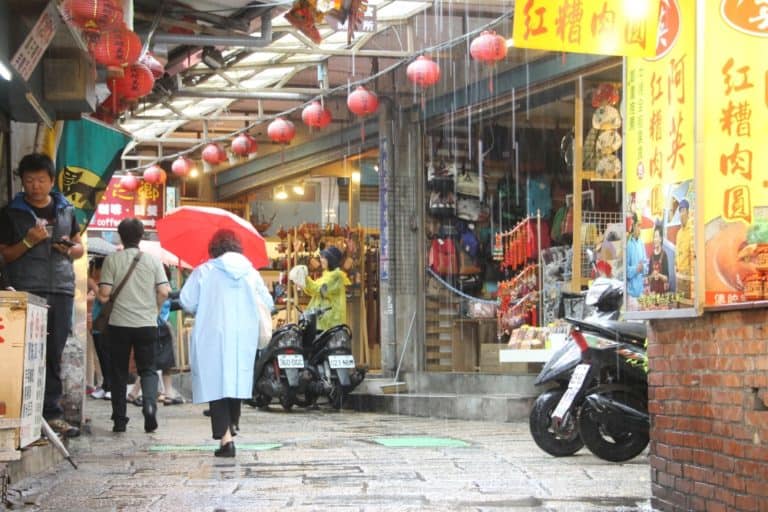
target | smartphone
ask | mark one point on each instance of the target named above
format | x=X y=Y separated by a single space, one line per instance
x=64 y=241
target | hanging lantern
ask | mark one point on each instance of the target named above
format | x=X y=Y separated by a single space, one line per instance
x=163 y=176
x=109 y=109
x=93 y=16
x=137 y=81
x=362 y=102
x=212 y=154
x=116 y=48
x=253 y=146
x=154 y=65
x=423 y=72
x=488 y=47
x=153 y=174
x=129 y=182
x=241 y=145
x=182 y=166
x=315 y=115
x=281 y=131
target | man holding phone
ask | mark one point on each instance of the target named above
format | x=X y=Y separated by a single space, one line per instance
x=39 y=238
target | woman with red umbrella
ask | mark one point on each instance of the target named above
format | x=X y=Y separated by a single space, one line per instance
x=223 y=293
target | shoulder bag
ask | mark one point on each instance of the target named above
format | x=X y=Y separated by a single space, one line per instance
x=101 y=321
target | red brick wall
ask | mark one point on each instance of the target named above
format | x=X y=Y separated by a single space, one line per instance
x=708 y=398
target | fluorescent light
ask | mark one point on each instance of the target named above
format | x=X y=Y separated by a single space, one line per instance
x=356 y=176
x=5 y=71
x=280 y=193
x=298 y=189
x=194 y=173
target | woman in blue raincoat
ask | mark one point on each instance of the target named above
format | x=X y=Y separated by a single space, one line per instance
x=223 y=294
x=330 y=289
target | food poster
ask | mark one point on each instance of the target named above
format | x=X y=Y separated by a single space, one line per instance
x=603 y=27
x=734 y=170
x=659 y=151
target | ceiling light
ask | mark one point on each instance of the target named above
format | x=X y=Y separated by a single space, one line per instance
x=194 y=173
x=213 y=58
x=356 y=176
x=298 y=189
x=5 y=71
x=280 y=193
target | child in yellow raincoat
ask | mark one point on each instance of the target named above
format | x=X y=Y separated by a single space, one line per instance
x=330 y=289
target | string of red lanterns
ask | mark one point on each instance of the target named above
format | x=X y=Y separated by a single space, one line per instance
x=488 y=48
x=315 y=115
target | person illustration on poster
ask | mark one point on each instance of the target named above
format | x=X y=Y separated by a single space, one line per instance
x=684 y=251
x=637 y=263
x=658 y=275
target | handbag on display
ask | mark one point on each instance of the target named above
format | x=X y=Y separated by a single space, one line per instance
x=479 y=309
x=468 y=184
x=442 y=204
x=468 y=265
x=469 y=284
x=469 y=208
x=442 y=256
x=101 y=322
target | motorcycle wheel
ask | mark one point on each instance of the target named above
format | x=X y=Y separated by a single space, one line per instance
x=306 y=399
x=540 y=423
x=287 y=400
x=610 y=444
x=259 y=401
x=336 y=396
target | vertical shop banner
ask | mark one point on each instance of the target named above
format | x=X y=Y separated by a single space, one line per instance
x=603 y=27
x=146 y=203
x=87 y=155
x=659 y=159
x=734 y=171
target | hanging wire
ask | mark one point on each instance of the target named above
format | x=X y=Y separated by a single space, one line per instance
x=464 y=38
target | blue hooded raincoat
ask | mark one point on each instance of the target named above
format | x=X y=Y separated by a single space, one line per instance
x=222 y=293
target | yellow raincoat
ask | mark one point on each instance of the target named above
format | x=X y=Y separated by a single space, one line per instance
x=330 y=289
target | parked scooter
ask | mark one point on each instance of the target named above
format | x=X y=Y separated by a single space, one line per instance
x=281 y=370
x=330 y=359
x=608 y=391
x=562 y=438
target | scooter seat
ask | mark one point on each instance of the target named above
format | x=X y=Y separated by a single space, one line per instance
x=635 y=332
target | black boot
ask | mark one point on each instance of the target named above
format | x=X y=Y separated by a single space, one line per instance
x=226 y=450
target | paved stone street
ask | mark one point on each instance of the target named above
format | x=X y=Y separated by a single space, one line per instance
x=325 y=460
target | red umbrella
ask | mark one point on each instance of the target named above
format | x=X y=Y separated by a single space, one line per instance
x=166 y=257
x=186 y=231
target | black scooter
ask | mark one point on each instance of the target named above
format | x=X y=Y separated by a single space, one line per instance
x=561 y=437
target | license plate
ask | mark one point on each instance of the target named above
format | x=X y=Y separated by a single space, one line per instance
x=574 y=386
x=290 y=361
x=341 y=361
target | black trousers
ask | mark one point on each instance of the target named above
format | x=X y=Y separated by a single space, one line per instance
x=101 y=344
x=225 y=412
x=59 y=326
x=142 y=340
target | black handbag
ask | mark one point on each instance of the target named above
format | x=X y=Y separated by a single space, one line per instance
x=164 y=358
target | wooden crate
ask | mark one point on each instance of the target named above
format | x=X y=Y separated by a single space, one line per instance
x=489 y=360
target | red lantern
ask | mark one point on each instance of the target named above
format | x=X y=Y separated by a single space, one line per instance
x=241 y=145
x=154 y=65
x=281 y=131
x=93 y=16
x=362 y=102
x=163 y=176
x=137 y=81
x=116 y=48
x=253 y=146
x=212 y=154
x=315 y=115
x=423 y=72
x=488 y=47
x=182 y=166
x=129 y=182
x=153 y=174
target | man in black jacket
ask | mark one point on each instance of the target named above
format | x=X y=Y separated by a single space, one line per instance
x=39 y=238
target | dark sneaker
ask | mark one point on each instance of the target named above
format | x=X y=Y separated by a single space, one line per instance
x=119 y=426
x=63 y=428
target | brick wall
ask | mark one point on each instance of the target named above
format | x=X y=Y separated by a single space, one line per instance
x=708 y=398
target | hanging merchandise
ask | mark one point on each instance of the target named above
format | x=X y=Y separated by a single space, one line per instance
x=315 y=115
x=468 y=184
x=442 y=256
x=470 y=209
x=442 y=204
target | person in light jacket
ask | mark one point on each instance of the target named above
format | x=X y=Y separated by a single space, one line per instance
x=223 y=294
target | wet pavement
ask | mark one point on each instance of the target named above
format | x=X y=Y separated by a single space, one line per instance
x=326 y=460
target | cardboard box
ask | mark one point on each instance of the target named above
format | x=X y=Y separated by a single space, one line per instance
x=23 y=328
